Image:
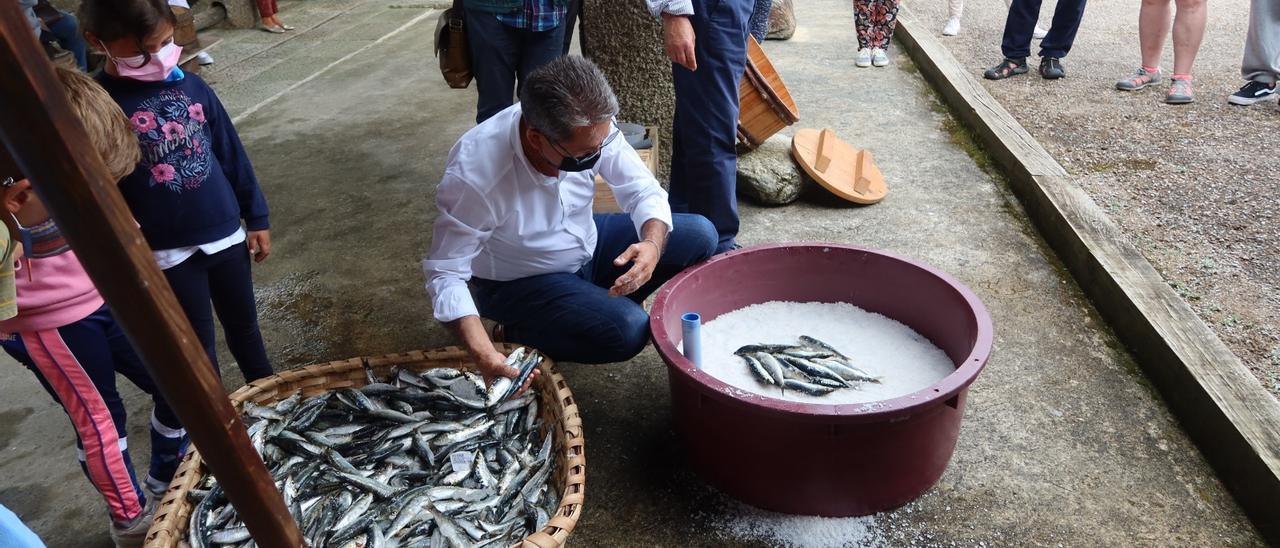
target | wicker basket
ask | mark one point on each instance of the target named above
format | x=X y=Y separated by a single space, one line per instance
x=764 y=104
x=558 y=410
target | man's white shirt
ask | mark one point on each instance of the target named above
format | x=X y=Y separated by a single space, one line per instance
x=500 y=219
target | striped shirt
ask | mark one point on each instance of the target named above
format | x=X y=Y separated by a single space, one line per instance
x=536 y=15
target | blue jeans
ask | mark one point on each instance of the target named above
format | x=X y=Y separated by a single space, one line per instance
x=1021 y=23
x=571 y=317
x=500 y=54
x=67 y=33
x=704 y=157
x=225 y=279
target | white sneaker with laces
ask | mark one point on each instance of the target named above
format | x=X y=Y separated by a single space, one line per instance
x=879 y=58
x=1039 y=33
x=952 y=28
x=864 y=58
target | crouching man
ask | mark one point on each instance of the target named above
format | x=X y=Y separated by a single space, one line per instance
x=515 y=221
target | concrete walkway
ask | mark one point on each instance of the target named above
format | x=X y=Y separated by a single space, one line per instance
x=1063 y=442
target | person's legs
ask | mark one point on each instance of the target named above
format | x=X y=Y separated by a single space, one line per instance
x=537 y=49
x=955 y=8
x=494 y=59
x=1154 y=18
x=1062 y=34
x=1188 y=33
x=168 y=437
x=566 y=317
x=67 y=31
x=693 y=239
x=74 y=364
x=885 y=21
x=758 y=23
x=1261 y=61
x=1018 y=27
x=231 y=289
x=266 y=11
x=706 y=121
x=573 y=11
x=190 y=282
x=862 y=22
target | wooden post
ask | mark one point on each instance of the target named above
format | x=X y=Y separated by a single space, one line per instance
x=50 y=145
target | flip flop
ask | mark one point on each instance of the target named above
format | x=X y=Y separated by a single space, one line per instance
x=847 y=172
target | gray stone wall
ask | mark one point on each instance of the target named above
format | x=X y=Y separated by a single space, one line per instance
x=626 y=41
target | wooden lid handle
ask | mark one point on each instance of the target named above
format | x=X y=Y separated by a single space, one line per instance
x=826 y=146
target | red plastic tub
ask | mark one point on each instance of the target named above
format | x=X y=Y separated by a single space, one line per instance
x=827 y=460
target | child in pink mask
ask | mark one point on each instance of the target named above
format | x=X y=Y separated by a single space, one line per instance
x=194 y=194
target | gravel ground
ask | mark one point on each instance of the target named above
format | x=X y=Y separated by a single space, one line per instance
x=1194 y=186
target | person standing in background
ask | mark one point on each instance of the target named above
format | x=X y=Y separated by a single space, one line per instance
x=955 y=9
x=1188 y=32
x=1261 y=65
x=706 y=41
x=875 y=20
x=509 y=39
x=1018 y=29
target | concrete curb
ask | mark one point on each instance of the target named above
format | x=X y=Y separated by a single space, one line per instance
x=1232 y=419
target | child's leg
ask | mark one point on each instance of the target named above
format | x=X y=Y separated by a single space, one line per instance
x=231 y=285
x=168 y=438
x=190 y=282
x=74 y=364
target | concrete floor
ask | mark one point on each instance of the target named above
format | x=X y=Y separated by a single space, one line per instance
x=1063 y=443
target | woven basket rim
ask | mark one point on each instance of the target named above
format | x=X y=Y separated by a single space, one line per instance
x=169 y=528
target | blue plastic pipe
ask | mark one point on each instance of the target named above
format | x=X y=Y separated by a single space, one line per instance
x=691 y=324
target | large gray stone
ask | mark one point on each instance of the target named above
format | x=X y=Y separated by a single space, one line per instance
x=768 y=175
x=626 y=41
x=782 y=20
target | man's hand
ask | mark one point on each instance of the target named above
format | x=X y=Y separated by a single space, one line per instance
x=259 y=244
x=677 y=35
x=643 y=257
x=492 y=364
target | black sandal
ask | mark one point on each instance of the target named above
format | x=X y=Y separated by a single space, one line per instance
x=1006 y=68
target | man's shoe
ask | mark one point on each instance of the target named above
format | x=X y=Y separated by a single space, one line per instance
x=1252 y=92
x=1051 y=68
x=879 y=58
x=1180 y=92
x=952 y=27
x=1139 y=80
x=1006 y=68
x=864 y=58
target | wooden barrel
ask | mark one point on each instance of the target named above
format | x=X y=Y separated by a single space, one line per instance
x=765 y=105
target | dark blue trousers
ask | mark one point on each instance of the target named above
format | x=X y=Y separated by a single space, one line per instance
x=500 y=54
x=66 y=31
x=224 y=279
x=77 y=364
x=571 y=317
x=1021 y=23
x=704 y=161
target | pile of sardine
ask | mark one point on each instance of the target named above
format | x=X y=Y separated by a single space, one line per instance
x=813 y=367
x=419 y=459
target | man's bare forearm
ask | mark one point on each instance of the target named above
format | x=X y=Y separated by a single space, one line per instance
x=655 y=231
x=470 y=332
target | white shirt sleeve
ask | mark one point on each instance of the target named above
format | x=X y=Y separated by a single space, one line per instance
x=674 y=7
x=634 y=186
x=464 y=223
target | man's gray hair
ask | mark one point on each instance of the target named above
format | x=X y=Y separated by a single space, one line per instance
x=567 y=93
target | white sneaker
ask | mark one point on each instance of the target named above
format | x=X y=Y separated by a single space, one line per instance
x=952 y=28
x=864 y=58
x=133 y=534
x=1039 y=33
x=879 y=58
x=204 y=58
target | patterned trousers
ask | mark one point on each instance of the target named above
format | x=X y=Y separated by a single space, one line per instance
x=875 y=20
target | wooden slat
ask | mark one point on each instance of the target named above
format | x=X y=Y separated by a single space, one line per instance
x=1231 y=417
x=604 y=201
x=49 y=143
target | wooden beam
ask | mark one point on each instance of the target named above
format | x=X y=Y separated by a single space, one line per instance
x=51 y=147
x=1233 y=420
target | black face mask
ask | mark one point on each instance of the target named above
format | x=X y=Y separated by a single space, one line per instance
x=574 y=165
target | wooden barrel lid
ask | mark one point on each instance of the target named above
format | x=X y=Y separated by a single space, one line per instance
x=847 y=172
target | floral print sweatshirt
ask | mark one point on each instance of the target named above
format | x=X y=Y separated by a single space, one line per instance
x=195 y=182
